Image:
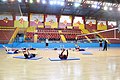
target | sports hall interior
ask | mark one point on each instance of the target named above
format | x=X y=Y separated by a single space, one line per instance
x=66 y=24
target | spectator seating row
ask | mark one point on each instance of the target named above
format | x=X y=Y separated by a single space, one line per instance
x=69 y=34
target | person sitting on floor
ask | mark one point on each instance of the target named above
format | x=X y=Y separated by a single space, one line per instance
x=28 y=55
x=32 y=48
x=79 y=49
x=63 y=56
x=10 y=50
x=29 y=48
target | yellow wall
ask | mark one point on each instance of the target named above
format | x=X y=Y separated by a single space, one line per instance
x=53 y=25
x=69 y=27
x=31 y=29
x=18 y=24
x=99 y=27
x=40 y=26
x=81 y=26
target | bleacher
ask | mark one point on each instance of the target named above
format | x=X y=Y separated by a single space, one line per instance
x=69 y=34
x=6 y=34
x=52 y=34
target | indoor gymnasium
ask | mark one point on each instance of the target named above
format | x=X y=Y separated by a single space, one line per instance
x=59 y=39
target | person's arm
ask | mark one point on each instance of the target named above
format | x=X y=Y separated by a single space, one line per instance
x=28 y=52
x=24 y=51
x=5 y=48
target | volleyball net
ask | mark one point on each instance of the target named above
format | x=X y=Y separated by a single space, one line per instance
x=110 y=34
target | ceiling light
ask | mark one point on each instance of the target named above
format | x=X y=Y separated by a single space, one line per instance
x=119 y=9
x=19 y=0
x=62 y=3
x=98 y=7
x=12 y=0
x=88 y=2
x=95 y=2
x=58 y=2
x=55 y=2
x=51 y=2
x=26 y=0
x=31 y=1
x=110 y=8
x=43 y=1
x=4 y=0
x=105 y=8
x=108 y=4
x=76 y=4
x=38 y=1
x=94 y=6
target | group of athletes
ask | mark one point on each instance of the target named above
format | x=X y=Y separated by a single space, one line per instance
x=62 y=56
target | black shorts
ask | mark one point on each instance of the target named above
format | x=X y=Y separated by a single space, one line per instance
x=46 y=44
x=81 y=49
x=64 y=57
x=32 y=55
x=26 y=56
x=101 y=45
x=29 y=56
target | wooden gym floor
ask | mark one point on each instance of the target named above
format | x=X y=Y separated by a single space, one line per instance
x=102 y=65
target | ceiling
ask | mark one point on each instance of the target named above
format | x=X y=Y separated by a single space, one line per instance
x=84 y=9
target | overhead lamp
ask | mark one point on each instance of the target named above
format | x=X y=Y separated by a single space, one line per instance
x=55 y=2
x=114 y=4
x=12 y=0
x=31 y=1
x=62 y=3
x=19 y=0
x=58 y=2
x=89 y=6
x=119 y=9
x=68 y=4
x=110 y=8
x=105 y=8
x=76 y=4
x=44 y=1
x=98 y=7
x=95 y=2
x=94 y=6
x=26 y=0
x=4 y=0
x=38 y=1
x=91 y=2
x=88 y=2
x=51 y=2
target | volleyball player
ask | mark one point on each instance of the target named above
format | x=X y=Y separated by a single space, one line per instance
x=105 y=45
x=100 y=44
x=46 y=44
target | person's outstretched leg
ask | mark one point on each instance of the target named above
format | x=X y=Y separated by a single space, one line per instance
x=67 y=52
x=106 y=48
x=65 y=56
x=103 y=48
x=62 y=52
